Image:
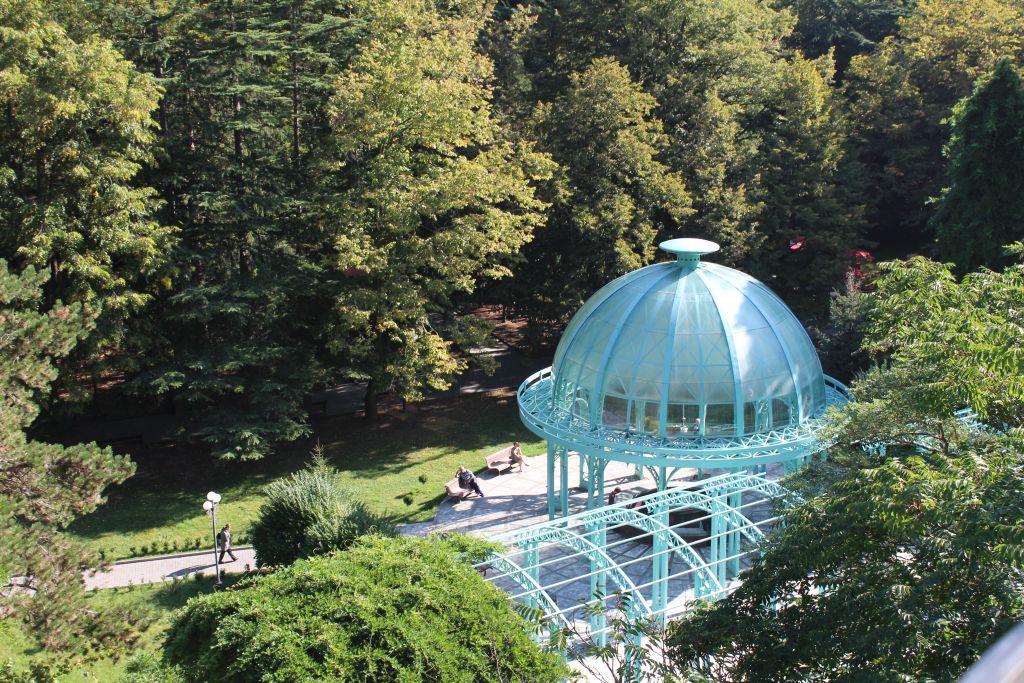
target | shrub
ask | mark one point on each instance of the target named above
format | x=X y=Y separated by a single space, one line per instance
x=308 y=514
x=387 y=609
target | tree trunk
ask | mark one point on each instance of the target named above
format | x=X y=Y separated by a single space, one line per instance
x=370 y=402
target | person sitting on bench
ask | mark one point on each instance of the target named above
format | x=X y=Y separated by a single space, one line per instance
x=468 y=481
x=515 y=457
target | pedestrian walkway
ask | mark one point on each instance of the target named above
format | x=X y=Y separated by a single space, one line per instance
x=168 y=568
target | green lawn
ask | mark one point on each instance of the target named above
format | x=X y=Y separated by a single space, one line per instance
x=159 y=600
x=378 y=463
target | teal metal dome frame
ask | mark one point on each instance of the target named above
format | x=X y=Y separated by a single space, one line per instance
x=675 y=366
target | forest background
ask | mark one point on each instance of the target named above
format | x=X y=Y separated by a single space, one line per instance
x=211 y=208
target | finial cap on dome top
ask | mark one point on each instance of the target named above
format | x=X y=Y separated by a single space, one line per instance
x=688 y=249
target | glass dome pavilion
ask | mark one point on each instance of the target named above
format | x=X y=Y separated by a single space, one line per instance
x=683 y=364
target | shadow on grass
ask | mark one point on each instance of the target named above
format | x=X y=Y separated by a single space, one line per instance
x=171 y=482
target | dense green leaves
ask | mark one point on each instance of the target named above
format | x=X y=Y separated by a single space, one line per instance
x=901 y=94
x=905 y=562
x=309 y=514
x=384 y=610
x=981 y=210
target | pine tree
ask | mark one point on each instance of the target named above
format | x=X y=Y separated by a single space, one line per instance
x=982 y=210
x=236 y=343
x=44 y=486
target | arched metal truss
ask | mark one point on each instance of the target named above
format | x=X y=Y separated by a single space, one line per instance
x=533 y=565
x=568 y=435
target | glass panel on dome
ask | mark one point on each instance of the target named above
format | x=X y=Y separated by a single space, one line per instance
x=581 y=404
x=615 y=412
x=755 y=417
x=683 y=419
x=645 y=417
x=720 y=419
x=780 y=413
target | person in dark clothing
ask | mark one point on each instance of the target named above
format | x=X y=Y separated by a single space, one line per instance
x=613 y=495
x=224 y=538
x=468 y=481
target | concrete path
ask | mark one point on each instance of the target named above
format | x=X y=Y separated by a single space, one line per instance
x=168 y=567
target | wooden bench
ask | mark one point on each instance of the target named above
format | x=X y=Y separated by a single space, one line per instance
x=455 y=491
x=500 y=461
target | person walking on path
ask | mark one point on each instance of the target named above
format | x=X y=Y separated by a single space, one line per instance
x=224 y=538
x=467 y=480
x=516 y=457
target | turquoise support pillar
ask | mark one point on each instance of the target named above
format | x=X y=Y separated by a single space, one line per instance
x=586 y=475
x=735 y=500
x=563 y=481
x=551 y=480
x=659 y=566
x=598 y=585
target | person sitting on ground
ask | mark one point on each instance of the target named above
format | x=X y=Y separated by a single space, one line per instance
x=467 y=480
x=516 y=457
x=613 y=495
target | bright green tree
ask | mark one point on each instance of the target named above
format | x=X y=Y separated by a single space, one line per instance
x=751 y=125
x=611 y=196
x=430 y=196
x=77 y=133
x=983 y=207
x=905 y=561
x=44 y=486
x=385 y=610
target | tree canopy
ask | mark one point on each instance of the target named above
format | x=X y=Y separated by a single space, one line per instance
x=981 y=210
x=905 y=560
x=385 y=610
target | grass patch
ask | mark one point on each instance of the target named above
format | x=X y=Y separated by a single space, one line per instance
x=397 y=467
x=159 y=600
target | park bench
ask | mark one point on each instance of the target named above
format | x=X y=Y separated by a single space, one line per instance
x=500 y=461
x=455 y=491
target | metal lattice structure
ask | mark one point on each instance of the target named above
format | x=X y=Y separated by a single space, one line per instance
x=671 y=571
x=677 y=366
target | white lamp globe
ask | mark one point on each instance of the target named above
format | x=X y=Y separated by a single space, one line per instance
x=207 y=505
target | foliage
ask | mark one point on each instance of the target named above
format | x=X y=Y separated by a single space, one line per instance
x=849 y=27
x=384 y=610
x=908 y=570
x=981 y=209
x=630 y=650
x=901 y=94
x=961 y=340
x=310 y=514
x=751 y=132
x=840 y=341
x=908 y=551
x=610 y=198
x=432 y=195
x=44 y=486
x=77 y=131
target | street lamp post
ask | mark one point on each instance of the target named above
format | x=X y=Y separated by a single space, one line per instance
x=210 y=505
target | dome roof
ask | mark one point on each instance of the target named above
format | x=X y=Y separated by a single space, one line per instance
x=687 y=348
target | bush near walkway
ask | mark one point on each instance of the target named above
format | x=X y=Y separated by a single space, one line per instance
x=309 y=514
x=388 y=609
